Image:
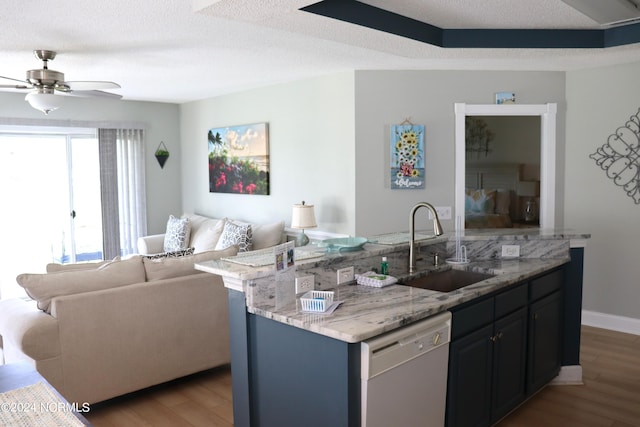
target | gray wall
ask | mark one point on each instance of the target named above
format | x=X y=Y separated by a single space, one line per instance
x=384 y=98
x=163 y=185
x=601 y=100
x=329 y=143
x=311 y=134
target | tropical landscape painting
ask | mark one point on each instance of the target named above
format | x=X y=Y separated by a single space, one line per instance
x=239 y=159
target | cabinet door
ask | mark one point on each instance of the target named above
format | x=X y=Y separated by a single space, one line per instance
x=509 y=363
x=469 y=386
x=545 y=335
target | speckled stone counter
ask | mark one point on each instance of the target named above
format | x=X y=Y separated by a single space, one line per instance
x=367 y=312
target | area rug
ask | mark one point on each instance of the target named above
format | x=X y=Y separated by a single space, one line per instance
x=35 y=405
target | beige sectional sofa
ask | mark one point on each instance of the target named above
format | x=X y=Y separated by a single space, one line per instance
x=96 y=331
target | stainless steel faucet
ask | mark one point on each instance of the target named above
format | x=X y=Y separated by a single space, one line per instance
x=437 y=230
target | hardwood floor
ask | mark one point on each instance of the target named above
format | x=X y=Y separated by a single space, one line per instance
x=202 y=399
x=610 y=396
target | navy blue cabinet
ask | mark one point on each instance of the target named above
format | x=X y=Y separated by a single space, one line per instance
x=545 y=330
x=509 y=363
x=487 y=359
x=505 y=347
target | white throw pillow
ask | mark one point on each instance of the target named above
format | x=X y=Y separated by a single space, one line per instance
x=267 y=235
x=177 y=235
x=44 y=287
x=236 y=234
x=206 y=236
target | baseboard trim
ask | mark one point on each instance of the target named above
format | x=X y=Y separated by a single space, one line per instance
x=613 y=322
x=569 y=375
x=572 y=375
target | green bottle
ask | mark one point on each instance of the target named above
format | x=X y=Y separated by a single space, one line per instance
x=384 y=266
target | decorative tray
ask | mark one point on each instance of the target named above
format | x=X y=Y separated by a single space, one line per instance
x=344 y=244
x=371 y=278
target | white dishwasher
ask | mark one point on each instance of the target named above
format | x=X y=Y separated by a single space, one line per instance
x=404 y=375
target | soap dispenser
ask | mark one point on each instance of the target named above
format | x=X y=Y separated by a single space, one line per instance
x=384 y=266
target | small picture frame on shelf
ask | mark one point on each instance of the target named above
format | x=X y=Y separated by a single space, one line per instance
x=505 y=98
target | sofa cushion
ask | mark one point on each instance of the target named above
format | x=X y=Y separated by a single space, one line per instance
x=27 y=331
x=198 y=221
x=166 y=268
x=177 y=234
x=54 y=267
x=44 y=287
x=205 y=236
x=236 y=234
x=267 y=235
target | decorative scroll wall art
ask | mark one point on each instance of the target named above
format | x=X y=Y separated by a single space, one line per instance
x=620 y=157
x=239 y=159
x=407 y=156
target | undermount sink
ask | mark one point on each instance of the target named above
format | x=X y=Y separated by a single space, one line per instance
x=447 y=281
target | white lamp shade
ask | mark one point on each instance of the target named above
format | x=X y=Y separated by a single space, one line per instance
x=44 y=102
x=303 y=217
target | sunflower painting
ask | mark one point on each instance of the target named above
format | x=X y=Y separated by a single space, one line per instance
x=407 y=156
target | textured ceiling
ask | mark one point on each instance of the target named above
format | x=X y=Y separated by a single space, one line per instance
x=180 y=50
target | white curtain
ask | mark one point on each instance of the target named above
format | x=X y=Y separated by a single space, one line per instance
x=124 y=200
x=132 y=197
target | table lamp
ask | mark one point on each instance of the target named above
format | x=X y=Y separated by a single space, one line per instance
x=303 y=217
x=530 y=189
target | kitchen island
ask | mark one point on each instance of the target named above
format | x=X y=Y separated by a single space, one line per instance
x=281 y=354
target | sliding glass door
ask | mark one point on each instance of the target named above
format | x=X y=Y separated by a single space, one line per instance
x=85 y=211
x=51 y=201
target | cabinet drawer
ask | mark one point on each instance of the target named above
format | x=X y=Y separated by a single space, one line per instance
x=546 y=284
x=511 y=300
x=471 y=318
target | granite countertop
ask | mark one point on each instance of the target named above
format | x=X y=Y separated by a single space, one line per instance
x=238 y=272
x=367 y=312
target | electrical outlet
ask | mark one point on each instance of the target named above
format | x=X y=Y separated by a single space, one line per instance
x=305 y=284
x=444 y=212
x=345 y=275
x=510 y=251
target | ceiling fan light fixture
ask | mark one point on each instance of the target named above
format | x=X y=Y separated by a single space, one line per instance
x=44 y=100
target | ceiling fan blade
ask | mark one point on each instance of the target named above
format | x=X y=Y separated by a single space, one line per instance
x=14 y=80
x=94 y=93
x=15 y=87
x=74 y=86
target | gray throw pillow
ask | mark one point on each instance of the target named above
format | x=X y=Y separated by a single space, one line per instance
x=176 y=237
x=236 y=234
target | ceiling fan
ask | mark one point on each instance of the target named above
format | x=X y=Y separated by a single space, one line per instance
x=43 y=84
